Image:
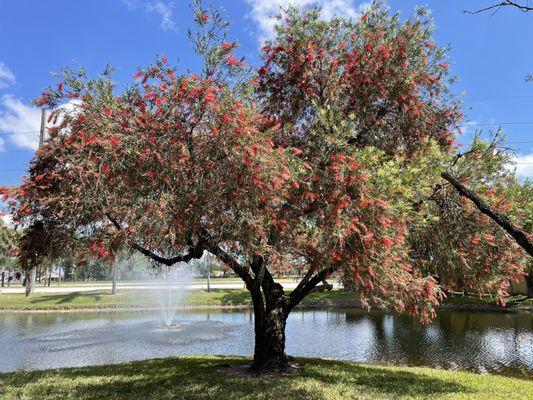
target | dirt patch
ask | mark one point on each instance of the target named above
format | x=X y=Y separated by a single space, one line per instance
x=244 y=371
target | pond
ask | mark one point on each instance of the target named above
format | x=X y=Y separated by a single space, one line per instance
x=477 y=341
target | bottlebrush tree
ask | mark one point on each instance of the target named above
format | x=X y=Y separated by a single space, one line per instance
x=316 y=163
x=465 y=249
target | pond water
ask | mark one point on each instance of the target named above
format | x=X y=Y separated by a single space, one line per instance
x=476 y=341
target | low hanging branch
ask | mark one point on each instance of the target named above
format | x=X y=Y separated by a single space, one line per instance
x=521 y=237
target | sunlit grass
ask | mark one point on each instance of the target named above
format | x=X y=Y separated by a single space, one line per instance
x=199 y=378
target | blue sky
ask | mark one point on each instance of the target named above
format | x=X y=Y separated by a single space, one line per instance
x=490 y=54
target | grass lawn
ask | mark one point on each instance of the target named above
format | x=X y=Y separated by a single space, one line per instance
x=198 y=378
x=126 y=298
x=139 y=298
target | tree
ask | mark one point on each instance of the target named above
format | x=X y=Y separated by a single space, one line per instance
x=314 y=163
x=8 y=243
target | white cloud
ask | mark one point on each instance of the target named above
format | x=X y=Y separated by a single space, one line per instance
x=6 y=76
x=165 y=12
x=164 y=9
x=23 y=122
x=7 y=220
x=524 y=165
x=263 y=10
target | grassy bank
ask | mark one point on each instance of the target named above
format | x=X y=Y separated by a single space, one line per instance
x=199 y=378
x=128 y=298
x=145 y=298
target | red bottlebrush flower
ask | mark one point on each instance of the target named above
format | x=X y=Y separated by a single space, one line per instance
x=209 y=95
x=105 y=169
x=297 y=150
x=363 y=17
x=262 y=70
x=233 y=61
x=114 y=141
x=171 y=75
x=138 y=75
x=60 y=86
x=228 y=46
x=387 y=242
x=150 y=174
x=107 y=112
x=164 y=59
x=205 y=17
x=474 y=240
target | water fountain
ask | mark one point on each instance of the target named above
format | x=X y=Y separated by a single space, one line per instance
x=169 y=293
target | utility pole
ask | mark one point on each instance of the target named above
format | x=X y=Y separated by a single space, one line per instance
x=31 y=276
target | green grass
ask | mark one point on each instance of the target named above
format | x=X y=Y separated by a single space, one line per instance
x=199 y=378
x=128 y=298
x=144 y=298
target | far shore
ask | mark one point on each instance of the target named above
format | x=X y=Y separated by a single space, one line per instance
x=127 y=300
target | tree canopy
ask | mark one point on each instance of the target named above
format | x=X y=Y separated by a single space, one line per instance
x=324 y=160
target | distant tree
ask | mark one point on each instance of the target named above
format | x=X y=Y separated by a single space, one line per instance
x=317 y=163
x=8 y=250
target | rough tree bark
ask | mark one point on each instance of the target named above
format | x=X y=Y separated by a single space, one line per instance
x=114 y=278
x=520 y=236
x=29 y=283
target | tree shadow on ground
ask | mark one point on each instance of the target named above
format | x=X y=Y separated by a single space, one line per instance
x=199 y=378
x=63 y=298
x=233 y=297
x=380 y=379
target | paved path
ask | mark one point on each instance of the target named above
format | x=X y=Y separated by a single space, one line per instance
x=139 y=286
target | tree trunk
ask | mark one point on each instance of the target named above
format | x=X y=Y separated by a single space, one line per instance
x=269 y=350
x=209 y=278
x=30 y=281
x=114 y=278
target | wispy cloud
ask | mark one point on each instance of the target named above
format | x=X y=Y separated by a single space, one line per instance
x=165 y=9
x=23 y=122
x=263 y=10
x=7 y=77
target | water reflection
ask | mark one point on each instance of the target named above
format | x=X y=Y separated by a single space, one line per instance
x=482 y=342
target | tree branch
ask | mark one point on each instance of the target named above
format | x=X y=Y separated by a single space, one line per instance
x=521 y=237
x=233 y=264
x=496 y=7
x=194 y=252
x=298 y=295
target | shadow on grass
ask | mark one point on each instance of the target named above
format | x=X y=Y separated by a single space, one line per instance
x=198 y=378
x=64 y=298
